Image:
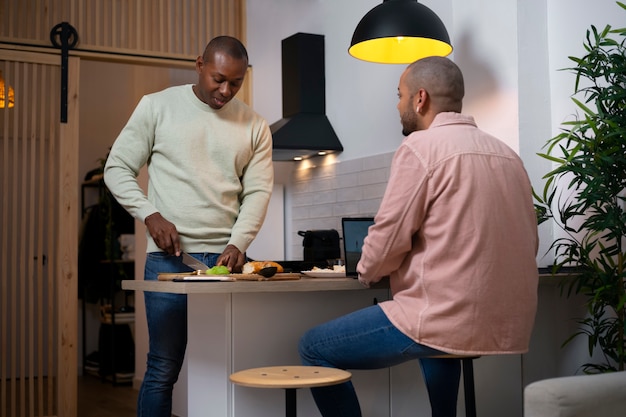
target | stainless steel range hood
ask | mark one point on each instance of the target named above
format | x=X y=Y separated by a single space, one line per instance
x=304 y=131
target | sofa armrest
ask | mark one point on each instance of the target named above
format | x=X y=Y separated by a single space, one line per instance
x=577 y=396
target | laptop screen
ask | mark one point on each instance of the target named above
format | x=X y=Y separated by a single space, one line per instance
x=354 y=230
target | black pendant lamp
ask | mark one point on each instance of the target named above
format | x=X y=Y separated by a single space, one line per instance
x=399 y=32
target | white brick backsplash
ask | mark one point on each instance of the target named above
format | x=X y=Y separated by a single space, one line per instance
x=349 y=167
x=322 y=184
x=301 y=187
x=325 y=171
x=368 y=207
x=347 y=181
x=350 y=208
x=315 y=224
x=321 y=210
x=300 y=213
x=303 y=174
x=378 y=161
x=321 y=195
x=349 y=194
x=374 y=190
x=374 y=176
x=300 y=199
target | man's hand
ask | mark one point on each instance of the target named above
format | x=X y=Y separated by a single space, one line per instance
x=232 y=258
x=164 y=233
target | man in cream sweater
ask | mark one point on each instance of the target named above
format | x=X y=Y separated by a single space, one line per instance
x=209 y=159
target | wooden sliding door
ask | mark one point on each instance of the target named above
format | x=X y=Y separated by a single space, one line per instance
x=38 y=238
x=39 y=171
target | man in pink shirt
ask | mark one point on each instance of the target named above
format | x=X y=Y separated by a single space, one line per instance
x=456 y=233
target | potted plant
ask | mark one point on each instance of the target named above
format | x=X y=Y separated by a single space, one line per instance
x=585 y=195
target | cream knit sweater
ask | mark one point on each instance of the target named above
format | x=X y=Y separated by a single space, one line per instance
x=210 y=171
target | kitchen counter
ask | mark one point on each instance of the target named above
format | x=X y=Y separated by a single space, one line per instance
x=220 y=287
x=248 y=324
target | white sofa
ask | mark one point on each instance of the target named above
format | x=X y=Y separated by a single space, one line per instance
x=598 y=395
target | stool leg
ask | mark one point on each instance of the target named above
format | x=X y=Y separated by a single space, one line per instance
x=290 y=402
x=468 y=386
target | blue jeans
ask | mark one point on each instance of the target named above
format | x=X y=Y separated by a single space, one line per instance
x=366 y=339
x=167 y=332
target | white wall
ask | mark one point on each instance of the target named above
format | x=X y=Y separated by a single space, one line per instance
x=270 y=241
x=360 y=96
x=569 y=21
x=485 y=48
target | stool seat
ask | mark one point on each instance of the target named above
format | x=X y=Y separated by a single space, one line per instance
x=453 y=356
x=290 y=377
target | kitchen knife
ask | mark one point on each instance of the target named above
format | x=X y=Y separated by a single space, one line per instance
x=193 y=263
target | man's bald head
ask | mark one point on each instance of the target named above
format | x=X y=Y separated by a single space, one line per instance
x=441 y=78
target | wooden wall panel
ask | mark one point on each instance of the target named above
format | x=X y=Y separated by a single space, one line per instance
x=156 y=28
x=30 y=244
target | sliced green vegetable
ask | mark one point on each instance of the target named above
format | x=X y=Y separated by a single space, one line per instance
x=217 y=270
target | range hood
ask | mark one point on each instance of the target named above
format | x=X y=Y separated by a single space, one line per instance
x=304 y=131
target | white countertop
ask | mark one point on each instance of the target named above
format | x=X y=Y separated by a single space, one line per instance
x=300 y=285
x=303 y=284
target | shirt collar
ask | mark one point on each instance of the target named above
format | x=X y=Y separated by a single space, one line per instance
x=451 y=118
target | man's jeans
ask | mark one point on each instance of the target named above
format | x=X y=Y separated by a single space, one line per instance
x=366 y=339
x=167 y=331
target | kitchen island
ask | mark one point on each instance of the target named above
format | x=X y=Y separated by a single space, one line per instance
x=249 y=324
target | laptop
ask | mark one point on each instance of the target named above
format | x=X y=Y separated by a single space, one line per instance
x=354 y=230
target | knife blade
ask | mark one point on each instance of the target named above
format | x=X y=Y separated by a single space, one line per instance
x=193 y=263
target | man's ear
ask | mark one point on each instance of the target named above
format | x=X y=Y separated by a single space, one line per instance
x=199 y=64
x=419 y=99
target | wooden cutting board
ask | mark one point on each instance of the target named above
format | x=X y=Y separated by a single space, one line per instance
x=257 y=277
x=170 y=276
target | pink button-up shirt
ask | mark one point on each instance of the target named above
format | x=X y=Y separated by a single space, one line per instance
x=456 y=233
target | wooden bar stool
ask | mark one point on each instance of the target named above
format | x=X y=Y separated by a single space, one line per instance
x=290 y=378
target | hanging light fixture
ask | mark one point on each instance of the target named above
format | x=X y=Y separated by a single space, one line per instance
x=7 y=95
x=399 y=32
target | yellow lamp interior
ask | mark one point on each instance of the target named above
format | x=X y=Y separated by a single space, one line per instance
x=399 y=50
x=3 y=96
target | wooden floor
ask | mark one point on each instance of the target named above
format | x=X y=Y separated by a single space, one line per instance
x=95 y=399
x=102 y=399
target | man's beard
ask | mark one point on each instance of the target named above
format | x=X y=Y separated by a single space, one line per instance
x=409 y=123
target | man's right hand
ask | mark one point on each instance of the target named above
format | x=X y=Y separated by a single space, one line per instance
x=163 y=233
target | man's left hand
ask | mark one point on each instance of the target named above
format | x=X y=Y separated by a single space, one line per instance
x=232 y=258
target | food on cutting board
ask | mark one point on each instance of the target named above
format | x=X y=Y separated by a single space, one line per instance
x=253 y=267
x=217 y=270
